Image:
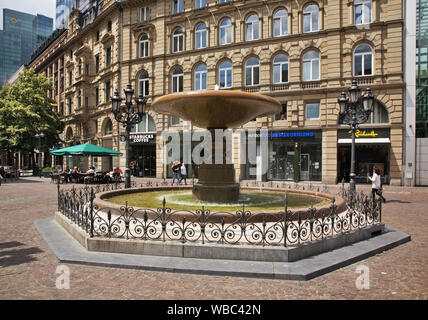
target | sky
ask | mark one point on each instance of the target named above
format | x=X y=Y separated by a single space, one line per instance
x=44 y=7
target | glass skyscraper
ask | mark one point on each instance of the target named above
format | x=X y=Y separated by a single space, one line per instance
x=63 y=10
x=22 y=34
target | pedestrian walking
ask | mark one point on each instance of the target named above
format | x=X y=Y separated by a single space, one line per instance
x=376 y=184
x=183 y=172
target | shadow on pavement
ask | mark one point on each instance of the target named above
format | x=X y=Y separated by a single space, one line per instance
x=16 y=256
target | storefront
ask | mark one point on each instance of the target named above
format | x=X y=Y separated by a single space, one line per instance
x=143 y=154
x=372 y=149
x=292 y=156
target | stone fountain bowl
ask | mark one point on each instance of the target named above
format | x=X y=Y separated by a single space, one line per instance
x=213 y=109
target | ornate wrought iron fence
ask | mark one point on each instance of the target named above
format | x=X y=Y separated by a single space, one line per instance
x=203 y=226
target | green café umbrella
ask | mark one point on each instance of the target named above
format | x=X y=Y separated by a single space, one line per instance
x=86 y=149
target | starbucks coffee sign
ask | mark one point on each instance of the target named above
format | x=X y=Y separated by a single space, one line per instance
x=141 y=138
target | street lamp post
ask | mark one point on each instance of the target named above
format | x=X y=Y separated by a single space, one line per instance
x=129 y=115
x=40 y=135
x=353 y=112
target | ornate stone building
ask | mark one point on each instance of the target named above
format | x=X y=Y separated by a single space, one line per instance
x=304 y=53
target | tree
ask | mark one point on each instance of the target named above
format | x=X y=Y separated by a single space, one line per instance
x=25 y=108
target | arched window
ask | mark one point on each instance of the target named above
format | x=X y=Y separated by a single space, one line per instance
x=362 y=11
x=177 y=40
x=201 y=77
x=280 y=69
x=143 y=84
x=108 y=129
x=363 y=60
x=147 y=124
x=252 y=28
x=144 y=46
x=280 y=23
x=311 y=66
x=177 y=80
x=201 y=36
x=225 y=74
x=225 y=32
x=310 y=18
x=252 y=69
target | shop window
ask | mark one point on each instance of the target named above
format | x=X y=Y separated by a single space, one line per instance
x=280 y=23
x=225 y=32
x=280 y=69
x=225 y=74
x=252 y=28
x=310 y=18
x=362 y=11
x=312 y=111
x=252 y=70
x=201 y=36
x=363 y=60
x=201 y=77
x=283 y=114
x=143 y=84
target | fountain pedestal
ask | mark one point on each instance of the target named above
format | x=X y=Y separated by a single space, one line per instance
x=216 y=183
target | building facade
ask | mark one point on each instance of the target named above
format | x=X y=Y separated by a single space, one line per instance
x=22 y=34
x=303 y=53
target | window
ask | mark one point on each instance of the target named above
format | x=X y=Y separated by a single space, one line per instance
x=280 y=69
x=97 y=96
x=69 y=106
x=108 y=128
x=225 y=74
x=108 y=92
x=86 y=69
x=79 y=99
x=86 y=102
x=201 y=36
x=97 y=36
x=379 y=115
x=362 y=11
x=252 y=69
x=310 y=18
x=280 y=23
x=144 y=14
x=177 y=80
x=70 y=78
x=109 y=24
x=201 y=77
x=61 y=108
x=177 y=6
x=312 y=111
x=108 y=56
x=177 y=39
x=147 y=124
x=363 y=60
x=143 y=84
x=225 y=32
x=224 y=1
x=252 y=28
x=144 y=46
x=97 y=63
x=311 y=66
x=283 y=114
x=79 y=67
x=174 y=121
x=200 y=4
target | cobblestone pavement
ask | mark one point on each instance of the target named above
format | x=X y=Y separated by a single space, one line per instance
x=28 y=267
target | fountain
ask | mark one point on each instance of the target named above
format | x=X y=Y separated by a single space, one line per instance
x=211 y=110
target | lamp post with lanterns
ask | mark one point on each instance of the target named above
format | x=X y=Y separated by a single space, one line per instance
x=129 y=115
x=40 y=135
x=354 y=111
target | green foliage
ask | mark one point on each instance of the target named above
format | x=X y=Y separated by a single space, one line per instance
x=49 y=169
x=25 y=108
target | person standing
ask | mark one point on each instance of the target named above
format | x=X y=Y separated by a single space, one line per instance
x=183 y=172
x=376 y=184
x=176 y=172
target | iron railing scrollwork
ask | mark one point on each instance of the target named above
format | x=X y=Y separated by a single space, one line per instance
x=283 y=228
